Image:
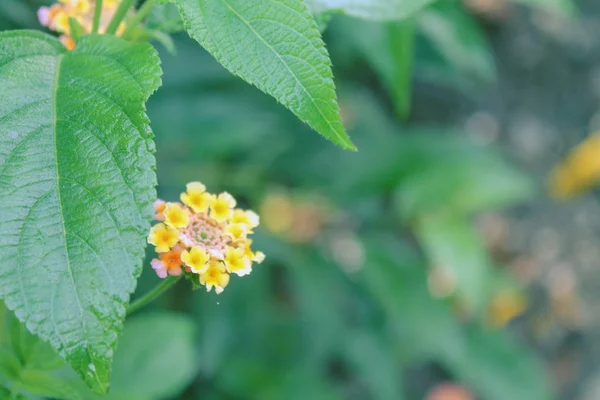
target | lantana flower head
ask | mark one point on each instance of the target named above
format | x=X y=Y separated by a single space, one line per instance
x=56 y=17
x=205 y=237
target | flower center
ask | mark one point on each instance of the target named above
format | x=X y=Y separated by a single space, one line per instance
x=206 y=233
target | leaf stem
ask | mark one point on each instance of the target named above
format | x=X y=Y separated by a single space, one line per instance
x=401 y=41
x=97 y=15
x=153 y=294
x=141 y=14
x=120 y=14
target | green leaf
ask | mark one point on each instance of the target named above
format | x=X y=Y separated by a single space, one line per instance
x=165 y=343
x=165 y=18
x=10 y=365
x=276 y=46
x=370 y=9
x=374 y=364
x=156 y=358
x=388 y=48
x=77 y=31
x=29 y=349
x=45 y=384
x=398 y=282
x=29 y=365
x=453 y=248
x=426 y=328
x=77 y=179
x=565 y=8
x=462 y=180
x=400 y=43
x=494 y=365
x=17 y=14
x=323 y=20
x=457 y=36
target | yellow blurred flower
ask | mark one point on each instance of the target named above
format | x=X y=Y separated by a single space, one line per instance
x=206 y=244
x=579 y=171
x=505 y=305
x=60 y=22
x=278 y=212
x=298 y=220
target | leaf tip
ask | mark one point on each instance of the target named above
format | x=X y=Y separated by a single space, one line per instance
x=98 y=386
x=346 y=144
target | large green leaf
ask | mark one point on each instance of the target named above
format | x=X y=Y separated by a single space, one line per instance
x=370 y=9
x=77 y=179
x=275 y=45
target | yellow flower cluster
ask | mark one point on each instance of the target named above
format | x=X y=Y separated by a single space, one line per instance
x=56 y=17
x=205 y=237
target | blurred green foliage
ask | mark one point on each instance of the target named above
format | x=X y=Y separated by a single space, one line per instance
x=347 y=312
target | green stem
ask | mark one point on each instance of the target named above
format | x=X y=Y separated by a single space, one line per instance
x=153 y=294
x=141 y=14
x=97 y=14
x=119 y=16
x=401 y=40
x=76 y=29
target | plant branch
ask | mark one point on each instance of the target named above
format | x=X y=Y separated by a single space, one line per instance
x=153 y=294
x=141 y=14
x=97 y=15
x=120 y=14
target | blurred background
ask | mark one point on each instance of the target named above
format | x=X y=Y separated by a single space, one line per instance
x=432 y=264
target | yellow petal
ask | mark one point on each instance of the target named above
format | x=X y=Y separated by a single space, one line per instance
x=221 y=207
x=163 y=237
x=195 y=186
x=197 y=259
x=176 y=215
x=236 y=231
